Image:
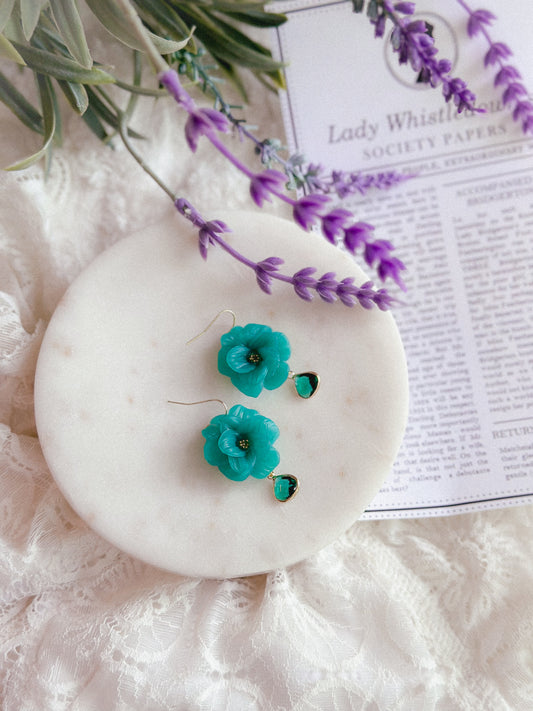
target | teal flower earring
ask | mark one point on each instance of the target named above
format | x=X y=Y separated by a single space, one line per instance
x=255 y=357
x=240 y=444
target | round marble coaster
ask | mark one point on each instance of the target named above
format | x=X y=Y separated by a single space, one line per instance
x=132 y=465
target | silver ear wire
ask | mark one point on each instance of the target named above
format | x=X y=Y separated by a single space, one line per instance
x=199 y=402
x=224 y=311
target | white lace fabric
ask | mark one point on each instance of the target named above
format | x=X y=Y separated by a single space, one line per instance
x=409 y=615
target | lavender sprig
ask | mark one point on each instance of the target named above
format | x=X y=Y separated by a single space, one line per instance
x=308 y=211
x=411 y=40
x=209 y=123
x=312 y=177
x=508 y=77
x=300 y=174
x=303 y=281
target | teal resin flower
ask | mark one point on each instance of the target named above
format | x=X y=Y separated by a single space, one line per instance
x=240 y=444
x=254 y=357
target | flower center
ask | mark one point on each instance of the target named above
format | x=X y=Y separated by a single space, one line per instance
x=253 y=357
x=243 y=443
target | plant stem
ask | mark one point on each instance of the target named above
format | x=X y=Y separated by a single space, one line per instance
x=123 y=130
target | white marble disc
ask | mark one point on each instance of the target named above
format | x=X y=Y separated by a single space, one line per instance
x=132 y=465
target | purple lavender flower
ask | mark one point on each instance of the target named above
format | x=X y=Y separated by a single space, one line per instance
x=326 y=287
x=390 y=267
x=262 y=185
x=497 y=51
x=379 y=249
x=172 y=84
x=264 y=271
x=477 y=19
x=515 y=93
x=506 y=74
x=206 y=232
x=203 y=122
x=357 y=235
x=347 y=292
x=333 y=223
x=306 y=210
x=303 y=281
x=410 y=39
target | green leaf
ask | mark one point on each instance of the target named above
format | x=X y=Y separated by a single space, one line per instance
x=358 y=5
x=228 y=43
x=106 y=114
x=23 y=110
x=251 y=13
x=29 y=14
x=8 y=51
x=113 y=20
x=93 y=122
x=166 y=17
x=69 y=24
x=61 y=67
x=49 y=119
x=6 y=8
x=76 y=95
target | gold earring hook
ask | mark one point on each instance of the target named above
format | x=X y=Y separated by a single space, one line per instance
x=224 y=311
x=199 y=402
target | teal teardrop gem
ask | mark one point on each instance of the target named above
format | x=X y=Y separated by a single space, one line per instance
x=306 y=384
x=285 y=486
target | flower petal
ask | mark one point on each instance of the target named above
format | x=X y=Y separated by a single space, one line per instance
x=243 y=467
x=255 y=335
x=267 y=460
x=237 y=359
x=212 y=453
x=275 y=379
x=227 y=443
x=250 y=384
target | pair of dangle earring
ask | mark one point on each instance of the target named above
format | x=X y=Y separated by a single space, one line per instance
x=255 y=357
x=240 y=444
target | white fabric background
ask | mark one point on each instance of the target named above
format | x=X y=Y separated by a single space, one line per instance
x=410 y=615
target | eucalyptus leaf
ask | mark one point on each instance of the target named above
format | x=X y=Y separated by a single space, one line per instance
x=69 y=24
x=372 y=10
x=223 y=42
x=49 y=121
x=13 y=28
x=29 y=14
x=166 y=17
x=61 y=67
x=6 y=8
x=106 y=114
x=358 y=5
x=250 y=13
x=258 y=19
x=8 y=51
x=114 y=22
x=76 y=95
x=19 y=105
x=93 y=122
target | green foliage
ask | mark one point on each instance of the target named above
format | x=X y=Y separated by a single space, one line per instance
x=358 y=5
x=47 y=37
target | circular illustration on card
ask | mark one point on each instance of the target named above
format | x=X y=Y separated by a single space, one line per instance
x=445 y=39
